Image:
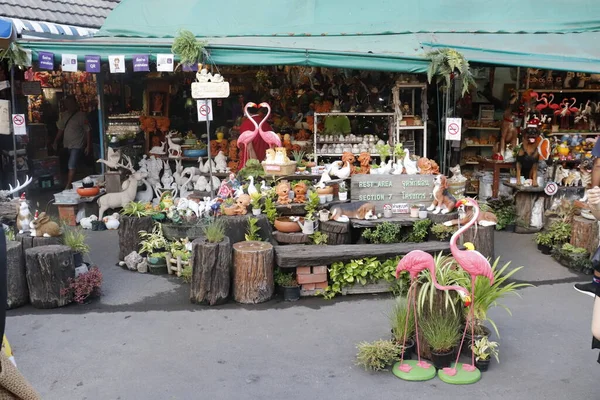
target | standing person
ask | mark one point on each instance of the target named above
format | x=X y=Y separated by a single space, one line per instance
x=74 y=129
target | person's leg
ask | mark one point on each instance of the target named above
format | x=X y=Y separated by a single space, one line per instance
x=73 y=159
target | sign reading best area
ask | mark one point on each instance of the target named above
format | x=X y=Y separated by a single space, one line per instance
x=391 y=189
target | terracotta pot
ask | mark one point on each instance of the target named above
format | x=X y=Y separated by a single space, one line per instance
x=88 y=192
x=325 y=191
x=285 y=225
x=229 y=210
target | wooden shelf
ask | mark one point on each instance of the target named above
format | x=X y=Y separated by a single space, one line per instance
x=356 y=114
x=483 y=128
x=574 y=133
x=478 y=145
x=563 y=90
x=411 y=127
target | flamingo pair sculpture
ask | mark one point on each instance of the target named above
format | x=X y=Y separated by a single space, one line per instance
x=475 y=264
x=248 y=136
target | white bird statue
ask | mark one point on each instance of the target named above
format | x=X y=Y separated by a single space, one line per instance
x=251 y=188
x=386 y=168
x=398 y=168
x=341 y=173
x=263 y=187
x=409 y=165
x=324 y=179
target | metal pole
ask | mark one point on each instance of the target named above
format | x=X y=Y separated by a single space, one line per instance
x=14 y=137
x=210 y=171
x=100 y=93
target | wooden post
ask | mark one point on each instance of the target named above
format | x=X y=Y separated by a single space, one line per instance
x=129 y=234
x=441 y=218
x=211 y=263
x=48 y=270
x=18 y=292
x=584 y=233
x=337 y=232
x=237 y=226
x=252 y=272
x=482 y=238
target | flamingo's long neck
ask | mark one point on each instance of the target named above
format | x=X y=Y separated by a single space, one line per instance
x=268 y=107
x=453 y=248
x=551 y=96
x=250 y=116
x=441 y=287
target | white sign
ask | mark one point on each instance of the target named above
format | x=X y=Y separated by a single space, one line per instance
x=453 y=128
x=69 y=62
x=116 y=64
x=210 y=90
x=551 y=188
x=19 y=124
x=4 y=117
x=205 y=110
x=164 y=62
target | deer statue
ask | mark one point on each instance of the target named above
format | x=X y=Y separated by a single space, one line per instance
x=174 y=149
x=5 y=194
x=120 y=199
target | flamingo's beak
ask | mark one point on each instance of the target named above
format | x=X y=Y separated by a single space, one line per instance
x=466 y=298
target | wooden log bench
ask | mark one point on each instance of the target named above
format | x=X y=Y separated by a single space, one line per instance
x=48 y=271
x=292 y=256
x=17 y=289
x=291 y=238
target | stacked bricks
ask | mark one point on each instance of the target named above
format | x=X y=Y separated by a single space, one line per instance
x=312 y=279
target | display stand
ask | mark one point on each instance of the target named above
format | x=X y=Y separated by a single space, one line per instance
x=525 y=198
x=462 y=377
x=496 y=166
x=416 y=373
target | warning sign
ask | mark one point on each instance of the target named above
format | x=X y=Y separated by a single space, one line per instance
x=204 y=110
x=19 y=124
x=453 y=128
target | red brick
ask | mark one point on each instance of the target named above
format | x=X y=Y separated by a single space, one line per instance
x=321 y=285
x=312 y=278
x=319 y=270
x=308 y=286
x=303 y=271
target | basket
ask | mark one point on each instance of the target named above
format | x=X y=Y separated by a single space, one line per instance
x=280 y=169
x=457 y=189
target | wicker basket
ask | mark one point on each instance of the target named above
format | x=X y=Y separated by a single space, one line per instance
x=280 y=169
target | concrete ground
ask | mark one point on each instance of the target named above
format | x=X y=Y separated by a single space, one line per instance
x=143 y=340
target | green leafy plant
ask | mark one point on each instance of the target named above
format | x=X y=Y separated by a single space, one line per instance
x=384 y=233
x=252 y=168
x=319 y=238
x=419 y=232
x=153 y=242
x=187 y=47
x=9 y=235
x=186 y=273
x=442 y=232
x=342 y=188
x=75 y=239
x=398 y=320
x=214 y=230
x=543 y=238
x=136 y=209
x=446 y=64
x=376 y=356
x=255 y=199
x=253 y=228
x=178 y=248
x=441 y=331
x=560 y=232
x=399 y=150
x=270 y=209
x=14 y=55
x=569 y=248
x=311 y=206
x=384 y=151
x=284 y=279
x=505 y=211
x=447 y=273
x=484 y=349
x=298 y=155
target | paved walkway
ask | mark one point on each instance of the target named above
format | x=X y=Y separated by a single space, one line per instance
x=143 y=340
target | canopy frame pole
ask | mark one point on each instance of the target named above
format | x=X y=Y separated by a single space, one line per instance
x=100 y=94
x=14 y=137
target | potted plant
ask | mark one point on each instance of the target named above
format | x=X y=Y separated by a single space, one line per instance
x=560 y=232
x=288 y=284
x=399 y=151
x=414 y=211
x=252 y=232
x=319 y=238
x=401 y=328
x=484 y=350
x=227 y=207
x=311 y=207
x=298 y=156
x=343 y=192
x=576 y=258
x=442 y=232
x=544 y=242
x=441 y=332
x=270 y=209
x=378 y=355
x=135 y=217
x=84 y=286
x=384 y=233
x=505 y=211
x=419 y=232
x=75 y=239
x=384 y=151
x=310 y=163
x=154 y=245
x=255 y=199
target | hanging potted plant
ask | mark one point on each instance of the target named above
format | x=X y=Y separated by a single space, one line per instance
x=544 y=242
x=255 y=200
x=187 y=48
x=447 y=65
x=441 y=332
x=484 y=350
x=400 y=328
x=343 y=192
x=75 y=239
x=288 y=284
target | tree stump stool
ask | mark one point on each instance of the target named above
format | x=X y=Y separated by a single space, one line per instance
x=27 y=241
x=441 y=218
x=48 y=270
x=237 y=225
x=584 y=233
x=129 y=234
x=17 y=290
x=337 y=232
x=482 y=238
x=211 y=263
x=252 y=272
x=291 y=238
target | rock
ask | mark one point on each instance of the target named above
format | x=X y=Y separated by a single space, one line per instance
x=132 y=260
x=143 y=267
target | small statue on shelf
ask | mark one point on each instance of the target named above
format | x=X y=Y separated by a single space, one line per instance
x=300 y=190
x=365 y=162
x=283 y=191
x=221 y=162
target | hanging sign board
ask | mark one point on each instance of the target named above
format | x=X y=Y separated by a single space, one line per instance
x=33 y=88
x=4 y=117
x=92 y=64
x=453 y=128
x=397 y=190
x=210 y=90
x=46 y=60
x=164 y=62
x=141 y=63
x=116 y=64
x=204 y=110
x=69 y=62
x=18 y=121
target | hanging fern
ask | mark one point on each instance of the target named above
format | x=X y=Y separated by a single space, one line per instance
x=447 y=62
x=187 y=48
x=14 y=55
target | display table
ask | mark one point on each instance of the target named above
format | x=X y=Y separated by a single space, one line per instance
x=496 y=166
x=72 y=213
x=525 y=200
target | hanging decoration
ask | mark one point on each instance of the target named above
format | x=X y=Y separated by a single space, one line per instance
x=116 y=64
x=14 y=55
x=92 y=64
x=448 y=64
x=141 y=63
x=46 y=60
x=164 y=62
x=69 y=62
x=187 y=48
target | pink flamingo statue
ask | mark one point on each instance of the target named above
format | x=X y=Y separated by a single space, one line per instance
x=543 y=105
x=572 y=107
x=269 y=137
x=415 y=262
x=247 y=136
x=552 y=105
x=475 y=264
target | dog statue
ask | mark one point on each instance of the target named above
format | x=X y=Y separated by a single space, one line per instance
x=486 y=218
x=585 y=171
x=355 y=210
x=528 y=156
x=442 y=199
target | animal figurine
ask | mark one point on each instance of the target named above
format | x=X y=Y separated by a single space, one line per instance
x=348 y=157
x=270 y=156
x=120 y=199
x=528 y=156
x=572 y=178
x=561 y=174
x=112 y=159
x=508 y=132
x=186 y=205
x=465 y=214
x=264 y=189
x=283 y=191
x=442 y=199
x=300 y=190
x=427 y=166
x=241 y=204
x=44 y=227
x=585 y=171
x=86 y=223
x=365 y=162
x=410 y=166
x=208 y=165
x=174 y=149
x=201 y=183
x=23 y=214
x=457 y=175
x=221 y=162
x=248 y=136
x=340 y=173
x=269 y=137
x=386 y=168
x=355 y=210
x=112 y=221
x=281 y=156
x=251 y=188
x=158 y=150
x=325 y=177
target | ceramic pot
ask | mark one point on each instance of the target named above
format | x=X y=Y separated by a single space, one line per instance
x=343 y=196
x=229 y=210
x=414 y=212
x=301 y=169
x=88 y=192
x=388 y=214
x=482 y=365
x=326 y=190
x=285 y=225
x=324 y=215
x=322 y=199
x=330 y=197
x=256 y=212
x=422 y=214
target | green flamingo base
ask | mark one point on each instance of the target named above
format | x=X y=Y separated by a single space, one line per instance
x=462 y=377
x=416 y=373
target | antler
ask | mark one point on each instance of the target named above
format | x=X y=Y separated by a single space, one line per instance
x=129 y=165
x=19 y=186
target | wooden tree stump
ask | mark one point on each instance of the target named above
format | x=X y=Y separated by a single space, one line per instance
x=48 y=270
x=482 y=238
x=524 y=202
x=337 y=232
x=211 y=263
x=252 y=272
x=237 y=226
x=129 y=234
x=584 y=234
x=441 y=218
x=291 y=238
x=9 y=211
x=27 y=241
x=17 y=290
